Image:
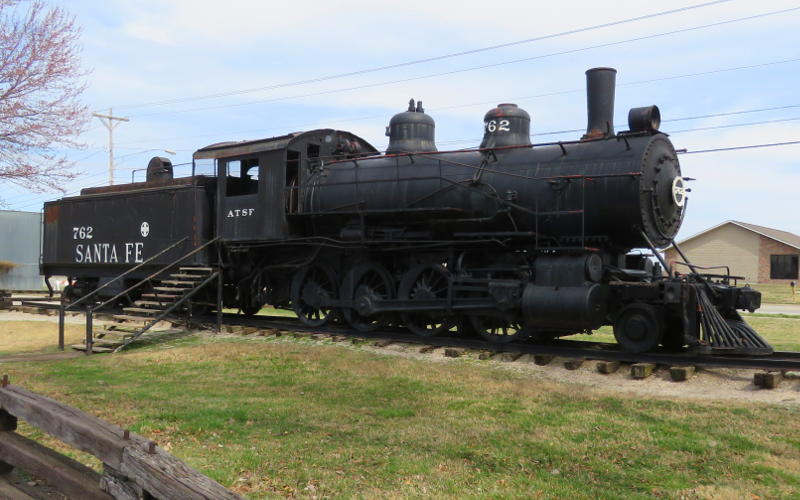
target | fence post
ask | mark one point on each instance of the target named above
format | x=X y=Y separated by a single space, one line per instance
x=89 y=328
x=8 y=423
x=61 y=325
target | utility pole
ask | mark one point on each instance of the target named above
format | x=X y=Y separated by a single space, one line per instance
x=110 y=121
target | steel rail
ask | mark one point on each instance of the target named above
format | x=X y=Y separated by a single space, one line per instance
x=787 y=361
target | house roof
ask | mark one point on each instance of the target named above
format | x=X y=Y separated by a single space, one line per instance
x=784 y=237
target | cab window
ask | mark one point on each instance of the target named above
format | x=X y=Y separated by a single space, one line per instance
x=241 y=177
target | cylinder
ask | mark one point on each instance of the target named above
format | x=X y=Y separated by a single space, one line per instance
x=506 y=125
x=570 y=308
x=573 y=270
x=600 y=87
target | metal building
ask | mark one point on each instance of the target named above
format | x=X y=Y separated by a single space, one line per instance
x=20 y=247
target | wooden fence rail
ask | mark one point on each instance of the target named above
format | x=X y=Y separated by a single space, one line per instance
x=133 y=467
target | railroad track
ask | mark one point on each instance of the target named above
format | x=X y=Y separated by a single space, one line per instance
x=601 y=351
x=778 y=361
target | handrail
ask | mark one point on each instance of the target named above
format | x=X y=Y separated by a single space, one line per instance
x=173 y=263
x=159 y=254
x=705 y=268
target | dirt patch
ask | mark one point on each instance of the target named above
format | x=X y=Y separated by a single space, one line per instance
x=25 y=332
x=70 y=318
x=713 y=492
x=26 y=336
x=707 y=384
x=41 y=356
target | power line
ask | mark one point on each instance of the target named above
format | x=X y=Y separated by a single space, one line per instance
x=700 y=151
x=736 y=148
x=535 y=96
x=734 y=125
x=731 y=113
x=84 y=178
x=683 y=118
x=428 y=59
x=628 y=84
x=96 y=175
x=472 y=68
x=35 y=203
x=697 y=129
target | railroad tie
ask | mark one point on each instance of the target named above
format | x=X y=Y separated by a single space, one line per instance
x=641 y=371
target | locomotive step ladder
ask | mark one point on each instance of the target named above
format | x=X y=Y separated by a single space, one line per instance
x=145 y=314
x=157 y=303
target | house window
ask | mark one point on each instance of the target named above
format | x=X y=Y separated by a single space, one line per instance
x=783 y=267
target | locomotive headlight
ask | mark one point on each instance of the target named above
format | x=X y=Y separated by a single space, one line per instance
x=678 y=191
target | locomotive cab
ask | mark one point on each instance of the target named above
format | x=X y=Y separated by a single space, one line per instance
x=259 y=181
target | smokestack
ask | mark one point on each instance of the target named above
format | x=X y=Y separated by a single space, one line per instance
x=600 y=86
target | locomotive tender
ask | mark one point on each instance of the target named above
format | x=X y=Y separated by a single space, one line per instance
x=509 y=240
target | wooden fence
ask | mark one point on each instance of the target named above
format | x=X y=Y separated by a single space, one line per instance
x=133 y=467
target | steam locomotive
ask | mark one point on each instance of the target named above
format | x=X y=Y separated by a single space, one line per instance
x=510 y=240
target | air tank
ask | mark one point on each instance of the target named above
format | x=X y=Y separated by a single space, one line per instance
x=506 y=125
x=411 y=131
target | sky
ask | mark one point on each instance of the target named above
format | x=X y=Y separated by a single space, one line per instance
x=188 y=73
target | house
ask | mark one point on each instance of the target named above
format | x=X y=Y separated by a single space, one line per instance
x=759 y=254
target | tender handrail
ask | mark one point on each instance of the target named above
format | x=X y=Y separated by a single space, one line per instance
x=159 y=254
x=173 y=263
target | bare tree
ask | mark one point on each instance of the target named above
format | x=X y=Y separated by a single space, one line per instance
x=41 y=81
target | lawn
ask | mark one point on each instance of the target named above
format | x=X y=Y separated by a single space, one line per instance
x=283 y=418
x=776 y=293
x=782 y=331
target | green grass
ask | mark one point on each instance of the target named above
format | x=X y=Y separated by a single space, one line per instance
x=603 y=334
x=267 y=311
x=279 y=418
x=780 y=330
x=776 y=293
x=769 y=315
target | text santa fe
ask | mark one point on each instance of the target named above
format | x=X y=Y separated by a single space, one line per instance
x=107 y=253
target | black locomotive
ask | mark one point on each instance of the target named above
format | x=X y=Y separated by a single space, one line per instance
x=509 y=240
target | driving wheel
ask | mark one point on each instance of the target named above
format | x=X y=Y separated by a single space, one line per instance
x=421 y=283
x=497 y=329
x=312 y=287
x=364 y=284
